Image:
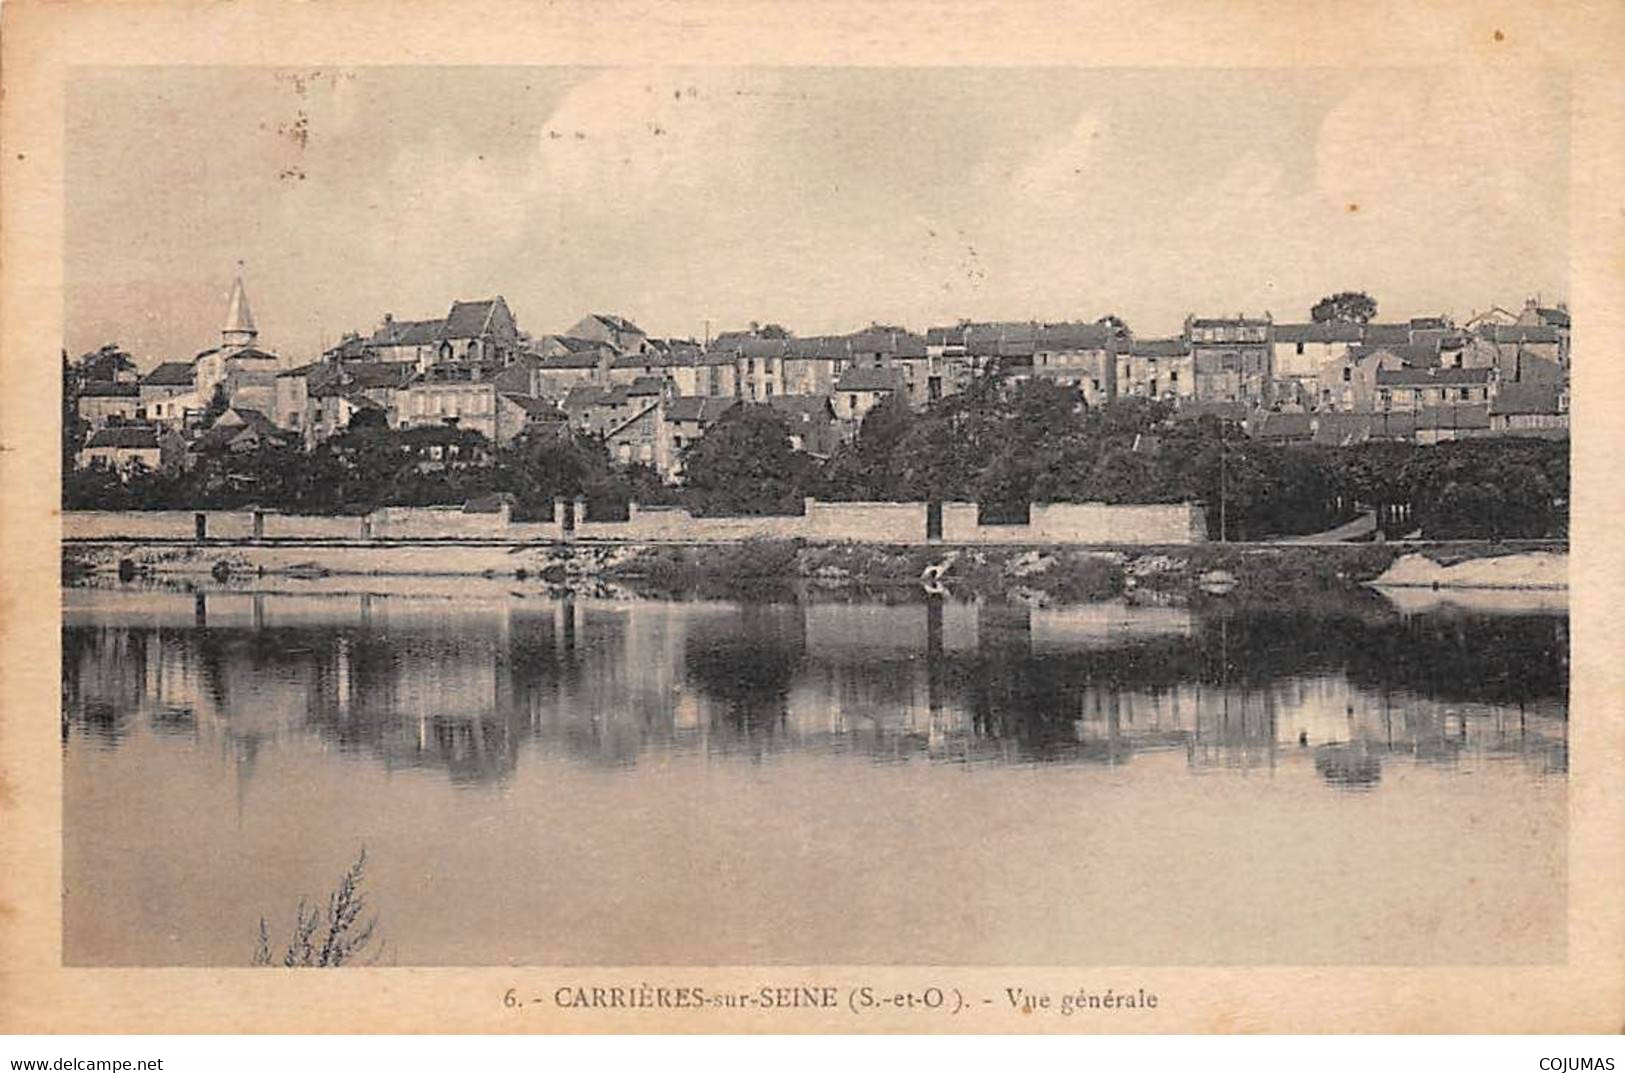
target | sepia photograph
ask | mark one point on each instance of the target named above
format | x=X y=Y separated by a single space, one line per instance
x=933 y=516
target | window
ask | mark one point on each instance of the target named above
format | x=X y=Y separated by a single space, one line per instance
x=769 y=389
x=1300 y=347
x=1173 y=377
x=1347 y=374
x=1466 y=394
x=852 y=401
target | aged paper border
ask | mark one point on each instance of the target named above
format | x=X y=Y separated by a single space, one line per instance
x=40 y=40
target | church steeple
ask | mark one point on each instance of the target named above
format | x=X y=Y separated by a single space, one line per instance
x=239 y=330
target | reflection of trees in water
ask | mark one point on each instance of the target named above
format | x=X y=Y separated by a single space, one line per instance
x=746 y=667
x=602 y=685
x=1356 y=766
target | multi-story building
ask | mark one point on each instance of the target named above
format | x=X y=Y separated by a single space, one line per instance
x=1157 y=369
x=480 y=331
x=104 y=402
x=464 y=395
x=1232 y=359
x=1413 y=388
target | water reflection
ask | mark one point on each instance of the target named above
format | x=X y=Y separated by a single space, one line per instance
x=466 y=686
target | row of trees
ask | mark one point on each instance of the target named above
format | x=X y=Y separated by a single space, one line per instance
x=997 y=444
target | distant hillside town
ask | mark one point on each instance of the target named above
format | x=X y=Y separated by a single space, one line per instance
x=1341 y=378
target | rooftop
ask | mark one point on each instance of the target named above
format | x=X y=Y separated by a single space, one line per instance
x=133 y=437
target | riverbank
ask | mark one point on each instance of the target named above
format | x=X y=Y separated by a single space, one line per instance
x=1039 y=574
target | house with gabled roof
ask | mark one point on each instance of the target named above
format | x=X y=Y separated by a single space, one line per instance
x=860 y=390
x=1082 y=355
x=810 y=420
x=1232 y=358
x=478 y=330
x=1302 y=349
x=1412 y=388
x=616 y=331
x=122 y=447
x=1518 y=407
x=103 y=402
x=1156 y=369
x=687 y=418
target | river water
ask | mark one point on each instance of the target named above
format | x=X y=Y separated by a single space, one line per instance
x=541 y=779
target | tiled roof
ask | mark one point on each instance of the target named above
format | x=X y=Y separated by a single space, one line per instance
x=869 y=380
x=716 y=357
x=1418 y=355
x=647 y=385
x=1228 y=322
x=819 y=348
x=1160 y=348
x=306 y=370
x=1327 y=332
x=408 y=333
x=109 y=389
x=249 y=353
x=1342 y=430
x=1520 y=333
x=534 y=408
x=1429 y=324
x=701 y=408
x=1525 y=399
x=469 y=320
x=1387 y=333
x=134 y=437
x=761 y=348
x=171 y=374
x=954 y=336
x=570 y=361
x=574 y=344
x=369 y=374
x=618 y=324
x=1557 y=318
x=1425 y=377
x=1072 y=336
x=802 y=407
x=584 y=397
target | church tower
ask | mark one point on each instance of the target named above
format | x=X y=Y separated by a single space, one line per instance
x=239 y=330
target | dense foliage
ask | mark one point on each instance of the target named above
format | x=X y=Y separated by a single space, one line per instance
x=1348 y=307
x=1000 y=445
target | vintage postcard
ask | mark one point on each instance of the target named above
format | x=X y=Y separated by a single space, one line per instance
x=839 y=518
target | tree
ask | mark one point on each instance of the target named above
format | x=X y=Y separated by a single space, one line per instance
x=744 y=464
x=74 y=428
x=1345 y=307
x=219 y=403
x=1118 y=326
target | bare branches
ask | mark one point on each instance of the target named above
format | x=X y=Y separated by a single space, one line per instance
x=344 y=928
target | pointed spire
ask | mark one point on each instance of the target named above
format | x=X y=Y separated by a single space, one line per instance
x=239 y=328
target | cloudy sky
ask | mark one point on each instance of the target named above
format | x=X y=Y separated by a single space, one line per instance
x=820 y=198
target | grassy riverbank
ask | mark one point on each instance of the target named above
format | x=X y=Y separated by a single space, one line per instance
x=1047 y=573
x=1061 y=574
